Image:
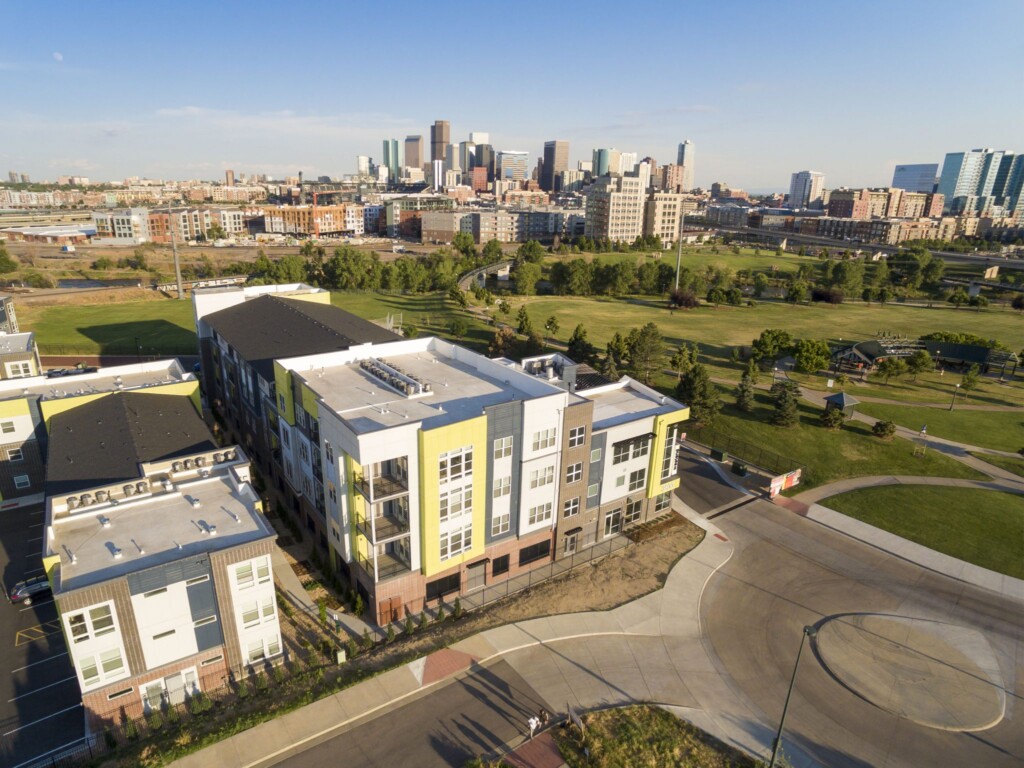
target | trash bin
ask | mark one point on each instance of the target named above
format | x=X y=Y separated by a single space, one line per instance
x=718 y=455
x=739 y=468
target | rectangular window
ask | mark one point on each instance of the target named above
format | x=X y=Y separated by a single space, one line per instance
x=570 y=543
x=457 y=541
x=15 y=454
x=502 y=486
x=535 y=552
x=444 y=586
x=633 y=511
x=640 y=448
x=541 y=513
x=595 y=455
x=544 y=439
x=197 y=580
x=244 y=576
x=6 y=427
x=162 y=635
x=263 y=570
x=155 y=592
x=571 y=507
x=250 y=614
x=256 y=652
x=668 y=460
x=456 y=502
x=637 y=479
x=330 y=453
x=119 y=694
x=90 y=672
x=663 y=501
x=577 y=436
x=574 y=473
x=503 y=447
x=454 y=465
x=210 y=661
x=620 y=453
x=22 y=481
x=592 y=490
x=111 y=662
x=102 y=620
x=542 y=477
x=613 y=522
x=204 y=622
x=500 y=524
x=500 y=565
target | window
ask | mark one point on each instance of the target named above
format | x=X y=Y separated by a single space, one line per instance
x=197 y=580
x=570 y=543
x=543 y=439
x=330 y=453
x=613 y=522
x=500 y=565
x=456 y=502
x=444 y=586
x=663 y=501
x=90 y=672
x=155 y=592
x=535 y=552
x=633 y=511
x=571 y=507
x=541 y=513
x=637 y=479
x=542 y=477
x=620 y=481
x=668 y=459
x=6 y=427
x=204 y=622
x=595 y=455
x=592 y=490
x=574 y=473
x=253 y=572
x=250 y=614
x=641 y=448
x=282 y=403
x=577 y=436
x=212 y=660
x=503 y=447
x=502 y=486
x=22 y=481
x=19 y=370
x=119 y=694
x=456 y=464
x=456 y=541
x=15 y=454
x=500 y=524
x=620 y=453
x=256 y=651
x=162 y=635
x=94 y=622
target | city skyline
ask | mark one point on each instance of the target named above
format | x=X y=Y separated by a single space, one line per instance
x=93 y=96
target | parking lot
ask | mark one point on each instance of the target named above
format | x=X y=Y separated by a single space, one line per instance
x=40 y=704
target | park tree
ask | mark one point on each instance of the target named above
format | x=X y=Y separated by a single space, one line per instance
x=1018 y=302
x=785 y=395
x=616 y=356
x=882 y=295
x=534 y=343
x=883 y=429
x=970 y=379
x=760 y=284
x=410 y=331
x=531 y=251
x=683 y=298
x=772 y=344
x=683 y=359
x=215 y=232
x=752 y=371
x=796 y=292
x=697 y=390
x=458 y=327
x=745 y=393
x=833 y=418
x=458 y=296
x=580 y=349
x=958 y=298
x=464 y=244
x=492 y=251
x=919 y=363
x=504 y=307
x=524 y=324
x=646 y=352
x=716 y=296
x=551 y=325
x=503 y=342
x=842 y=380
x=892 y=368
x=527 y=275
x=812 y=355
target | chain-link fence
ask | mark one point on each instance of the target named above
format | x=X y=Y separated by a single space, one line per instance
x=744 y=450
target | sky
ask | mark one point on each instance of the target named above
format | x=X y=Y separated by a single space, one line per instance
x=186 y=89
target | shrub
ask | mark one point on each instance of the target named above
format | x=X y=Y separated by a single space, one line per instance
x=423 y=619
x=109 y=738
x=883 y=429
x=367 y=640
x=351 y=648
x=391 y=632
x=410 y=627
x=156 y=721
x=172 y=715
x=244 y=689
x=457 y=609
x=321 y=604
x=200 y=703
x=131 y=730
x=358 y=607
x=833 y=418
x=440 y=613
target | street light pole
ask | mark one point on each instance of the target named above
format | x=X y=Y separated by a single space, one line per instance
x=679 y=245
x=953 y=401
x=777 y=744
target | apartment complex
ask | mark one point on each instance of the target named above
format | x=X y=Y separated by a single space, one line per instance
x=339 y=219
x=615 y=208
x=242 y=331
x=663 y=216
x=157 y=552
x=8 y=317
x=805 y=189
x=442 y=470
x=543 y=225
x=19 y=357
x=194 y=223
x=891 y=202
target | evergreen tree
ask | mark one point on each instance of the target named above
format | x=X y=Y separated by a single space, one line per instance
x=745 y=393
x=697 y=391
x=525 y=325
x=580 y=350
x=785 y=394
x=646 y=350
x=752 y=371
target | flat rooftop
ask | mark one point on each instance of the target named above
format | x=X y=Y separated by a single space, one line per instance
x=459 y=391
x=16 y=343
x=113 y=379
x=154 y=530
x=627 y=403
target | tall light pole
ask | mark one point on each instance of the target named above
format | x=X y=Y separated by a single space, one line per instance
x=953 y=401
x=679 y=245
x=174 y=253
x=777 y=744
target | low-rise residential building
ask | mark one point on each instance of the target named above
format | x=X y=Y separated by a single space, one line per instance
x=19 y=356
x=124 y=226
x=158 y=555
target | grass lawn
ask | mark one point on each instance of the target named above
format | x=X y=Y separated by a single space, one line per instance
x=851 y=452
x=998 y=430
x=1010 y=464
x=982 y=527
x=641 y=737
x=933 y=388
x=161 y=326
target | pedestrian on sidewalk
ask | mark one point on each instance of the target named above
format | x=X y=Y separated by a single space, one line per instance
x=543 y=716
x=534 y=724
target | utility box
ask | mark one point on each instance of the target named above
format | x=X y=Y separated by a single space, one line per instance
x=718 y=455
x=739 y=468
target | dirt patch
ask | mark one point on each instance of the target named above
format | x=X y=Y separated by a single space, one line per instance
x=79 y=297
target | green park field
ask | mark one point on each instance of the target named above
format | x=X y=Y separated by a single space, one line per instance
x=998 y=430
x=982 y=527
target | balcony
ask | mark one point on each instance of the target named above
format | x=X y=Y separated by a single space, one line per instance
x=384 y=480
x=382 y=528
x=385 y=565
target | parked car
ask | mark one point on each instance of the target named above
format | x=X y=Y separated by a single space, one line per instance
x=25 y=592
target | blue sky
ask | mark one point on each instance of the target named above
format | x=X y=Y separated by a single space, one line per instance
x=188 y=89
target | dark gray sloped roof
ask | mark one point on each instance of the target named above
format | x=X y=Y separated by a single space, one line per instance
x=271 y=328
x=103 y=441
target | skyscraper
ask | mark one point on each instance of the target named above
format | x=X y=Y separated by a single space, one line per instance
x=451 y=158
x=606 y=161
x=485 y=159
x=414 y=151
x=467 y=155
x=479 y=137
x=556 y=160
x=685 y=158
x=363 y=165
x=440 y=135
x=916 y=178
x=974 y=179
x=805 y=188
x=392 y=159
x=229 y=178
x=512 y=165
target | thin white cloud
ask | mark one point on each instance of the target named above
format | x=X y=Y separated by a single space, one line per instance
x=58 y=56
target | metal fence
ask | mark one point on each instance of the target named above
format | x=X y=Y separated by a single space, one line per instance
x=744 y=450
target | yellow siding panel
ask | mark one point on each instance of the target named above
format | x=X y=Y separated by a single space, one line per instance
x=315 y=298
x=50 y=408
x=15 y=407
x=283 y=382
x=309 y=400
x=662 y=424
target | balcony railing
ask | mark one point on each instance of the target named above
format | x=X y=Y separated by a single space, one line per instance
x=384 y=487
x=388 y=566
x=382 y=528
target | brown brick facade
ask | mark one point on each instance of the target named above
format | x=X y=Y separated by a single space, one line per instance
x=576 y=415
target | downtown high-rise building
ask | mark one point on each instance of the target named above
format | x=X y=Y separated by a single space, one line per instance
x=484 y=158
x=414 y=151
x=976 y=180
x=479 y=137
x=512 y=165
x=440 y=136
x=229 y=178
x=685 y=157
x=920 y=177
x=556 y=160
x=606 y=161
x=805 y=189
x=392 y=159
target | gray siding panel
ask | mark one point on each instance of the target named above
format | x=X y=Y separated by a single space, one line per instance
x=202 y=600
x=597 y=467
x=170 y=573
x=504 y=420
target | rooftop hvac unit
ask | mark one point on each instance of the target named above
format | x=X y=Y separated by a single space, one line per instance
x=231 y=455
x=201 y=461
x=102 y=496
x=176 y=466
x=86 y=499
x=129 y=490
x=218 y=458
x=72 y=502
x=142 y=487
x=189 y=463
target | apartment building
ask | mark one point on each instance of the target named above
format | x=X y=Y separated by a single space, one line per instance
x=19 y=357
x=615 y=208
x=443 y=471
x=27 y=405
x=158 y=554
x=242 y=331
x=403 y=213
x=124 y=226
x=8 y=317
x=663 y=215
x=191 y=224
x=315 y=220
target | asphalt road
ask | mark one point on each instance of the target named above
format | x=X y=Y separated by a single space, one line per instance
x=40 y=704
x=788 y=572
x=459 y=721
x=700 y=487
